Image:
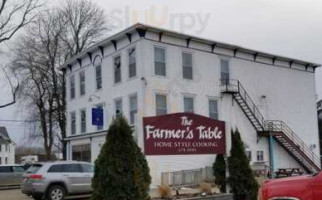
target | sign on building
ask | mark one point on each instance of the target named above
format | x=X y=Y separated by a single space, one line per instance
x=182 y=134
x=97 y=116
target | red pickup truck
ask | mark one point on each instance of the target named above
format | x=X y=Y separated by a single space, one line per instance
x=307 y=187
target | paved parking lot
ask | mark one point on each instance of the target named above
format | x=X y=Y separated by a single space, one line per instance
x=15 y=194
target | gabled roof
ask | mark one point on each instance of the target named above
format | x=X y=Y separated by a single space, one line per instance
x=139 y=26
x=4 y=136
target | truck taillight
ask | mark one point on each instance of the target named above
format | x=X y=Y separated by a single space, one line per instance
x=35 y=177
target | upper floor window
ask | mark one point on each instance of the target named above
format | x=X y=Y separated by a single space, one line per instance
x=7 y=149
x=187 y=66
x=249 y=155
x=82 y=82
x=188 y=104
x=72 y=86
x=133 y=108
x=213 y=108
x=224 y=71
x=118 y=107
x=83 y=120
x=161 y=104
x=117 y=69
x=159 y=61
x=98 y=74
x=260 y=156
x=73 y=123
x=132 y=63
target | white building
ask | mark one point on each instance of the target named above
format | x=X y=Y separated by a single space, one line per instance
x=7 y=148
x=147 y=71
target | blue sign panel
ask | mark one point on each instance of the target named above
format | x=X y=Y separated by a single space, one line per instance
x=97 y=116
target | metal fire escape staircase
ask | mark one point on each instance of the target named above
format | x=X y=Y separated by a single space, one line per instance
x=282 y=134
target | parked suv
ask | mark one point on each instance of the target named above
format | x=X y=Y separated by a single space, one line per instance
x=11 y=175
x=55 y=180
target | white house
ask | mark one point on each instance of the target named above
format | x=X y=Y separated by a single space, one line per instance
x=7 y=148
x=146 y=71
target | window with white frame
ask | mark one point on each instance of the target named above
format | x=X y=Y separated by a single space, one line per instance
x=224 y=71
x=117 y=69
x=73 y=123
x=118 y=107
x=161 y=104
x=82 y=83
x=98 y=76
x=132 y=63
x=6 y=160
x=7 y=149
x=100 y=106
x=260 y=156
x=133 y=108
x=249 y=155
x=72 y=86
x=188 y=104
x=213 y=108
x=83 y=120
x=159 y=61
x=187 y=66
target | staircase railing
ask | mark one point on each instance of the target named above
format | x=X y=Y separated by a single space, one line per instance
x=233 y=85
x=280 y=126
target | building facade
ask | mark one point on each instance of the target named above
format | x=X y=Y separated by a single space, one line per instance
x=146 y=71
x=7 y=148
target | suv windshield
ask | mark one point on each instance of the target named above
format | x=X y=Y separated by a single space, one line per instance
x=33 y=169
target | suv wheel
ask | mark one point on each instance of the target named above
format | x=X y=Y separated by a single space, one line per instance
x=56 y=192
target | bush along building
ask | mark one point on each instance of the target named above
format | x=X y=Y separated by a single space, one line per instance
x=183 y=95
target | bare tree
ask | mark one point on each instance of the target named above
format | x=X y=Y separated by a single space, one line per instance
x=15 y=15
x=54 y=37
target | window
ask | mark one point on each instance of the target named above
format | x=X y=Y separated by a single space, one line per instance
x=249 y=155
x=133 y=108
x=187 y=66
x=6 y=160
x=224 y=67
x=159 y=62
x=6 y=146
x=73 y=123
x=82 y=82
x=81 y=152
x=0 y=161
x=55 y=169
x=117 y=69
x=83 y=120
x=188 y=104
x=132 y=63
x=72 y=86
x=100 y=106
x=0 y=147
x=87 y=168
x=118 y=107
x=213 y=109
x=18 y=169
x=260 y=156
x=33 y=169
x=72 y=168
x=161 y=104
x=5 y=169
x=98 y=73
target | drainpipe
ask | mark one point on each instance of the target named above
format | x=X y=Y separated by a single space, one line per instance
x=271 y=155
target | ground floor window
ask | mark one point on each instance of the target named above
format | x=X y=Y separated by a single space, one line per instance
x=249 y=155
x=260 y=156
x=81 y=152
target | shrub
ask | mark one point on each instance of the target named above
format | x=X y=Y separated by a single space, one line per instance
x=121 y=170
x=241 y=178
x=164 y=192
x=219 y=171
x=205 y=188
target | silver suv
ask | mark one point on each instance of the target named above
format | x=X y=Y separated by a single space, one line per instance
x=55 y=180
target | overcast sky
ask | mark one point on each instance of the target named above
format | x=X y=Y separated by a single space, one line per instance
x=286 y=27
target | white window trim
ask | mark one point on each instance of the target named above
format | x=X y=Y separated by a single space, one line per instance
x=218 y=105
x=128 y=62
x=82 y=95
x=229 y=60
x=166 y=61
x=114 y=106
x=193 y=64
x=70 y=118
x=113 y=68
x=155 y=100
x=70 y=94
x=188 y=95
x=137 y=105
x=80 y=116
x=95 y=68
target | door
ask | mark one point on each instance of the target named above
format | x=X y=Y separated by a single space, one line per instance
x=17 y=175
x=88 y=173
x=73 y=176
x=6 y=175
